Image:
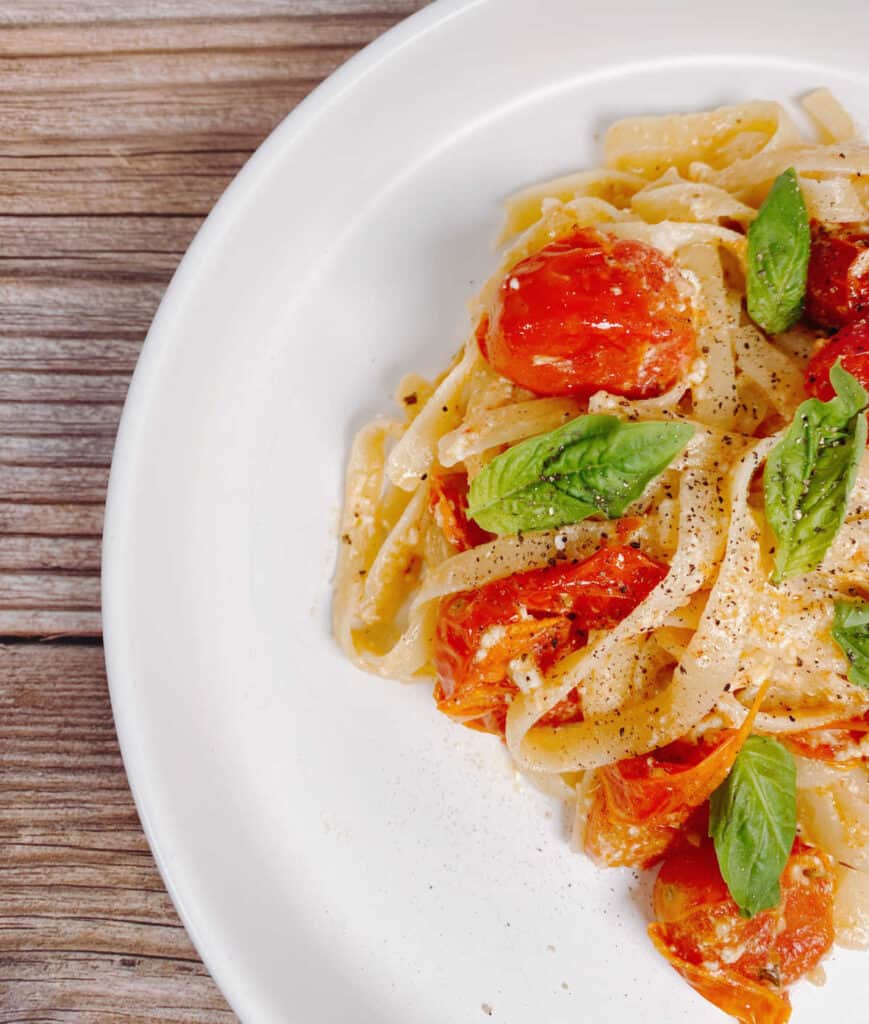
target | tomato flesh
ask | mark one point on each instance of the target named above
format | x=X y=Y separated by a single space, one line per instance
x=448 y=499
x=837 y=289
x=592 y=312
x=838 y=744
x=851 y=347
x=742 y=964
x=642 y=803
x=645 y=805
x=537 y=617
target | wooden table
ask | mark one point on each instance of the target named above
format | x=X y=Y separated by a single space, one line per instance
x=121 y=122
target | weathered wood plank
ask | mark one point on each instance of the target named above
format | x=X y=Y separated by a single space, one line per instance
x=230 y=107
x=107 y=11
x=94 y=989
x=77 y=308
x=45 y=591
x=204 y=144
x=32 y=552
x=236 y=33
x=53 y=484
x=56 y=451
x=166 y=70
x=110 y=239
x=69 y=419
x=51 y=520
x=116 y=354
x=51 y=623
x=93 y=389
x=167 y=182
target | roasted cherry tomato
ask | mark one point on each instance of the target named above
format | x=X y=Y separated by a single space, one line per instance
x=534 y=617
x=837 y=290
x=851 y=346
x=591 y=312
x=642 y=803
x=449 y=503
x=743 y=964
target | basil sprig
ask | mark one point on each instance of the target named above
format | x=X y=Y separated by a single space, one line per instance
x=810 y=474
x=779 y=240
x=594 y=465
x=851 y=633
x=753 y=821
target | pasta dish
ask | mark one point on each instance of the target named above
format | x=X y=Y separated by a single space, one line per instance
x=626 y=530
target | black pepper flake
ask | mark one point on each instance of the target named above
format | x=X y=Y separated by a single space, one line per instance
x=411 y=399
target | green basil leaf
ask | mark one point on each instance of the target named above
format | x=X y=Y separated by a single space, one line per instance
x=779 y=240
x=594 y=465
x=851 y=633
x=810 y=474
x=753 y=821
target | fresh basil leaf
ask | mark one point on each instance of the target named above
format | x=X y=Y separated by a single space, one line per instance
x=851 y=633
x=810 y=474
x=753 y=821
x=779 y=240
x=594 y=465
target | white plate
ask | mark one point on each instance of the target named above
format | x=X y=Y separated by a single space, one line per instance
x=338 y=850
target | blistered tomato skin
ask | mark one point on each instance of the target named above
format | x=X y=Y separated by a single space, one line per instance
x=593 y=312
x=743 y=965
x=643 y=803
x=837 y=289
x=851 y=346
x=537 y=617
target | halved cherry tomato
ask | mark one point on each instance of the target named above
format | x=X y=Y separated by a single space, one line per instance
x=643 y=804
x=534 y=617
x=591 y=312
x=837 y=744
x=747 y=1001
x=742 y=964
x=448 y=498
x=837 y=290
x=851 y=346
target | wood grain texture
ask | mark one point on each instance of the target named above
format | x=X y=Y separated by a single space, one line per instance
x=121 y=123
